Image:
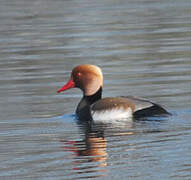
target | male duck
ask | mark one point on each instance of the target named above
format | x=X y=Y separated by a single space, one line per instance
x=92 y=106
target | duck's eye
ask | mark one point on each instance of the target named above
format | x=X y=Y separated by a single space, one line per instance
x=78 y=74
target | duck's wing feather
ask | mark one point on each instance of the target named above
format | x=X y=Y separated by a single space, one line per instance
x=112 y=108
x=139 y=107
x=145 y=108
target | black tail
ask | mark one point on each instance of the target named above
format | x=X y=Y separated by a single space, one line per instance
x=155 y=110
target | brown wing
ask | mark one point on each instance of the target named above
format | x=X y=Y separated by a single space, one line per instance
x=112 y=103
x=140 y=107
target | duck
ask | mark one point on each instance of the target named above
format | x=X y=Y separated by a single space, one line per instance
x=92 y=107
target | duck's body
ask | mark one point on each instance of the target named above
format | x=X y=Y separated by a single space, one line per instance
x=93 y=107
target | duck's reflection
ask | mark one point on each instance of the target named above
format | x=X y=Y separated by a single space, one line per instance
x=90 y=153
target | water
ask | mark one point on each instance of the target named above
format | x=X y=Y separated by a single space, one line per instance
x=143 y=48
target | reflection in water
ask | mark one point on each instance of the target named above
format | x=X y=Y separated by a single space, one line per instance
x=90 y=153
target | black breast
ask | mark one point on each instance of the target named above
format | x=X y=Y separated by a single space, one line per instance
x=83 y=108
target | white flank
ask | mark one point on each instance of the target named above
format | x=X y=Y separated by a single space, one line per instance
x=108 y=116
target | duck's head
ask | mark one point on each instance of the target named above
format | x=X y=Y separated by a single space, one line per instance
x=87 y=77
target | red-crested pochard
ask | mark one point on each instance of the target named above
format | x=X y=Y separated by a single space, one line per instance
x=92 y=106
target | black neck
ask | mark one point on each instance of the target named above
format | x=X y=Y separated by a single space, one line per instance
x=95 y=97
